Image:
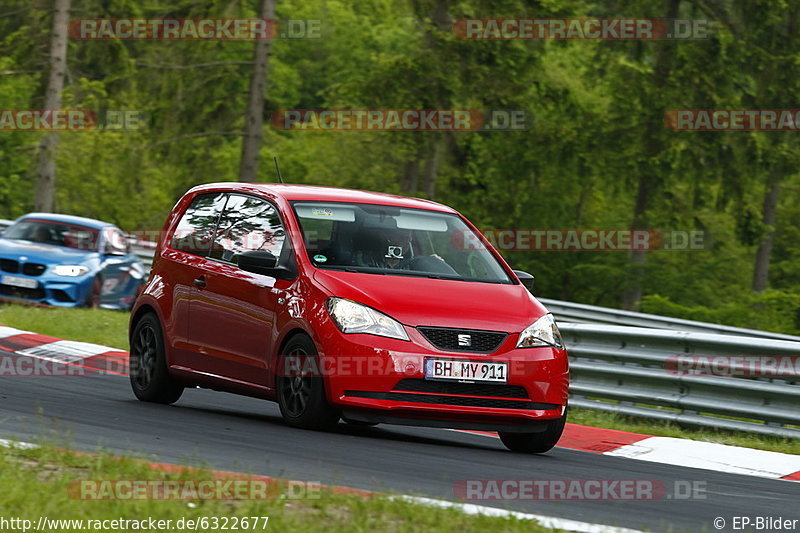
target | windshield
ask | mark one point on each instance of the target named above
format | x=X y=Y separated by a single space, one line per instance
x=55 y=233
x=396 y=241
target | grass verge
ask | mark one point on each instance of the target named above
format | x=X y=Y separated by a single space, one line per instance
x=41 y=482
x=99 y=326
x=110 y=328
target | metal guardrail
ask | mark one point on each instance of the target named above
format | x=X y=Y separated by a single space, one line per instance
x=144 y=250
x=570 y=312
x=627 y=370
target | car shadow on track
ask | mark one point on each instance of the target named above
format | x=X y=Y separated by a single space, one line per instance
x=384 y=432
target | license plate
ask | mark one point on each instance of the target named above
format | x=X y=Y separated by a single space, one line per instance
x=472 y=371
x=15 y=281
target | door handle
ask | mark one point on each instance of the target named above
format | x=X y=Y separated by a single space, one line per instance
x=200 y=282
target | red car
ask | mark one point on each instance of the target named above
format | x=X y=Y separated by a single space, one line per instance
x=352 y=305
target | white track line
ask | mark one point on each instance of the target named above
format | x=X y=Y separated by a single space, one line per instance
x=546 y=521
x=707 y=456
x=6 y=443
x=67 y=351
x=6 y=331
x=711 y=456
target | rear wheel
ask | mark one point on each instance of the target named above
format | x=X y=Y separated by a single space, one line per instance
x=301 y=397
x=535 y=442
x=150 y=379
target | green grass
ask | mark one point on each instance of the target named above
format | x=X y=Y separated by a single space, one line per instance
x=99 y=326
x=36 y=482
x=110 y=329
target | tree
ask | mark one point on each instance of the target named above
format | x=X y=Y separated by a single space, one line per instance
x=46 y=165
x=254 y=114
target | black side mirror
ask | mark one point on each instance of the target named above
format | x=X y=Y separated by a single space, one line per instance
x=525 y=278
x=261 y=262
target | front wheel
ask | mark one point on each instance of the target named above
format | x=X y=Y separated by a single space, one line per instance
x=150 y=379
x=301 y=397
x=541 y=442
x=93 y=298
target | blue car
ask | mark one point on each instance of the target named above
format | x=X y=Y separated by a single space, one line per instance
x=68 y=261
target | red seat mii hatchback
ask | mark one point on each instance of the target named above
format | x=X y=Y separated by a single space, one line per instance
x=351 y=305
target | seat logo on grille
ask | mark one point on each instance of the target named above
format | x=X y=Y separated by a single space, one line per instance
x=465 y=340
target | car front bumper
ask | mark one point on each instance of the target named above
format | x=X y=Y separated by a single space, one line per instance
x=376 y=379
x=49 y=291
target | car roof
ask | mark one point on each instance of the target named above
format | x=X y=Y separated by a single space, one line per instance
x=316 y=193
x=70 y=219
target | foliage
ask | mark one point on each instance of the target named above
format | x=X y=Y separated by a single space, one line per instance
x=596 y=136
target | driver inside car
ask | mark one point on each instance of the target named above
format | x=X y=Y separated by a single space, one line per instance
x=393 y=249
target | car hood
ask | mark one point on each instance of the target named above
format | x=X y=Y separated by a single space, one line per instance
x=417 y=301
x=47 y=254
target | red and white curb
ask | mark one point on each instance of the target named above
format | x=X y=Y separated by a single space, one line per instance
x=678 y=452
x=89 y=358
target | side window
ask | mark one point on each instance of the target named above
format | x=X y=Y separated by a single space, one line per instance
x=195 y=230
x=247 y=224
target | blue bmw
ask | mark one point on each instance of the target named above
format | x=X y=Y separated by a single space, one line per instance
x=68 y=261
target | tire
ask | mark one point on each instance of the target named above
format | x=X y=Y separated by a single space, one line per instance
x=150 y=379
x=94 y=296
x=541 y=442
x=302 y=399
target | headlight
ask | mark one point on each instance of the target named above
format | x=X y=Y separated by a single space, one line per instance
x=543 y=332
x=70 y=270
x=353 y=317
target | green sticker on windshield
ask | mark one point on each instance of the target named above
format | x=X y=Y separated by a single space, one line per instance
x=319 y=258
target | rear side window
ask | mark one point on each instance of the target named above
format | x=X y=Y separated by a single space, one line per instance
x=247 y=224
x=195 y=231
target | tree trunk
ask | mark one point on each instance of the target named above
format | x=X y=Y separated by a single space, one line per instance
x=411 y=176
x=648 y=175
x=769 y=211
x=254 y=114
x=633 y=293
x=432 y=167
x=46 y=165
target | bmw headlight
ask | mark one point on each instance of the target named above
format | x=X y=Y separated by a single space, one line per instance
x=353 y=317
x=543 y=332
x=71 y=271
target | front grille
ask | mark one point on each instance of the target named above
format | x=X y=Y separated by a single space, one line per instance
x=497 y=390
x=463 y=340
x=9 y=265
x=61 y=296
x=33 y=269
x=20 y=292
x=451 y=400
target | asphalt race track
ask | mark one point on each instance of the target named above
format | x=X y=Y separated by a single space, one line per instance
x=235 y=433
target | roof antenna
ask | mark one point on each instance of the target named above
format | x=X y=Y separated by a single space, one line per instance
x=278 y=168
